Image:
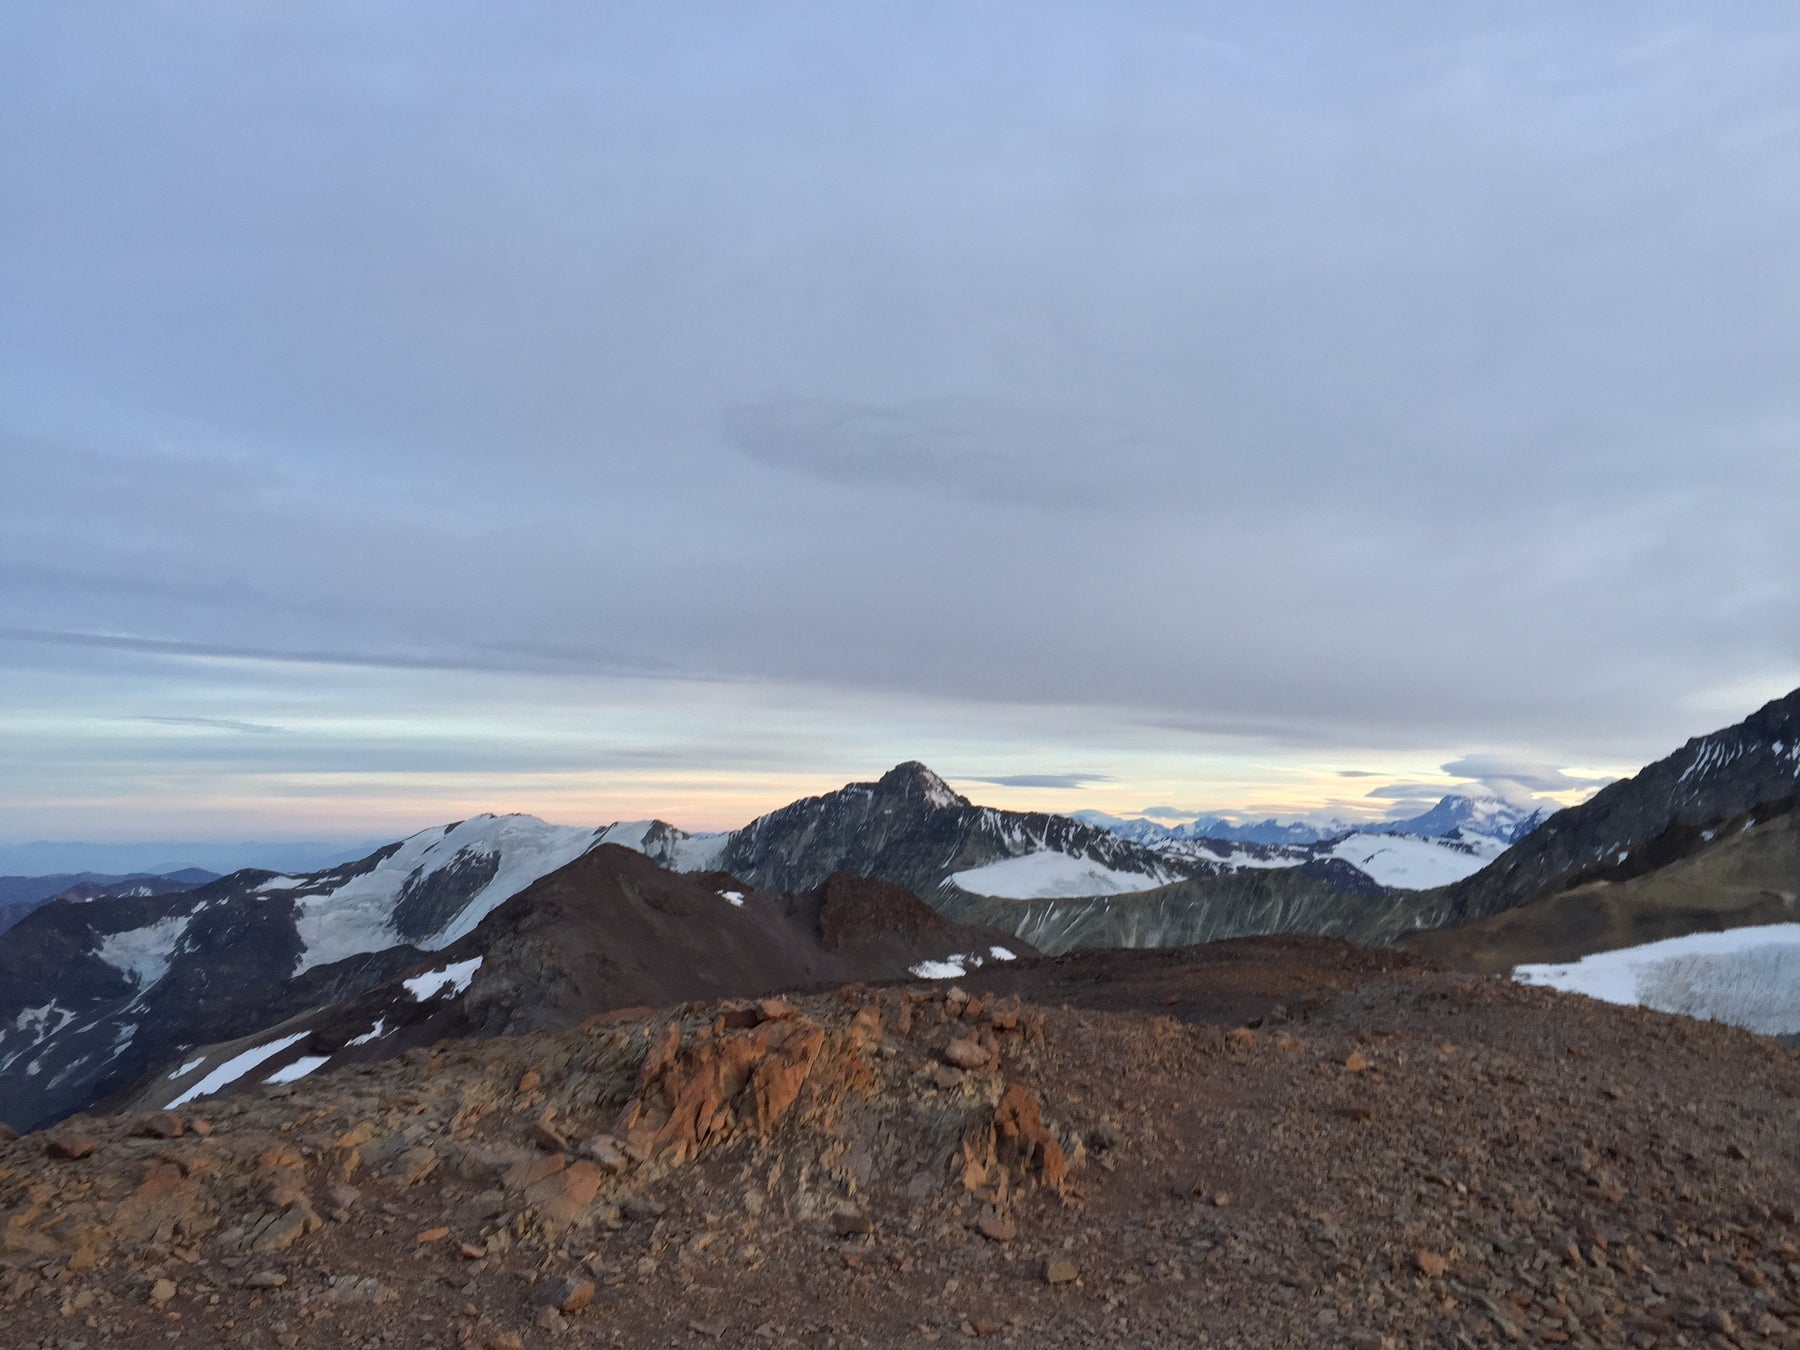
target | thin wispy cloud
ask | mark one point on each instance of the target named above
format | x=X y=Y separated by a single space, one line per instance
x=215 y=724
x=1071 y=781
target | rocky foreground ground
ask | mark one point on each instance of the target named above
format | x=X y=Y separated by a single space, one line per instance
x=1282 y=1142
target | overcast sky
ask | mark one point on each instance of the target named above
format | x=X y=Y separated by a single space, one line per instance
x=610 y=410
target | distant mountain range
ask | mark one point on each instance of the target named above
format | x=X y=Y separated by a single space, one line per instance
x=109 y=984
x=94 y=994
x=1484 y=814
x=48 y=857
x=20 y=895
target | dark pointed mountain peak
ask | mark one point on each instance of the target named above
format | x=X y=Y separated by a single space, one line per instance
x=913 y=781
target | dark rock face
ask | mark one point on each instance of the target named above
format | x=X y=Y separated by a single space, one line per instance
x=855 y=909
x=1682 y=882
x=910 y=829
x=429 y=902
x=611 y=930
x=93 y=994
x=614 y=930
x=1203 y=909
x=1729 y=774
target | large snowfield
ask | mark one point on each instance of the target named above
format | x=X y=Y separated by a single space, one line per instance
x=1749 y=977
x=1049 y=876
x=357 y=916
x=1410 y=862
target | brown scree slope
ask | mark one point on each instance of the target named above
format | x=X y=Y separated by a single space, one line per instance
x=1393 y=1156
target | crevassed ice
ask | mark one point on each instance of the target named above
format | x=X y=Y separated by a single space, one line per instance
x=1748 y=977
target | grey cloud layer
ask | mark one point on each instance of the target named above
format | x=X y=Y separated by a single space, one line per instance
x=1398 y=380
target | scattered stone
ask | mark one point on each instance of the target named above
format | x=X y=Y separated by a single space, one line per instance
x=965 y=1053
x=1059 y=1271
x=472 y=1251
x=161 y=1292
x=640 y=1209
x=547 y=1138
x=571 y=1295
x=737 y=1017
x=437 y=1234
x=945 y=1078
x=416 y=1164
x=1431 y=1265
x=994 y=1225
x=281 y=1231
x=851 y=1223
x=529 y=1080
x=161 y=1125
x=563 y=1197
x=1356 y=1063
x=352 y=1289
x=606 y=1153
x=72 y=1146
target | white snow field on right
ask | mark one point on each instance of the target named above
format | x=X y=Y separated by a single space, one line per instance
x=1748 y=977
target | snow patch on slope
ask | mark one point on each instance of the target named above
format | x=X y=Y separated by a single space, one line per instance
x=235 y=1068
x=144 y=953
x=374 y=1033
x=951 y=967
x=1048 y=875
x=1749 y=977
x=455 y=976
x=293 y=1073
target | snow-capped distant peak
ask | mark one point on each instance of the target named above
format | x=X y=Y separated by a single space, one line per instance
x=1464 y=814
x=503 y=854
